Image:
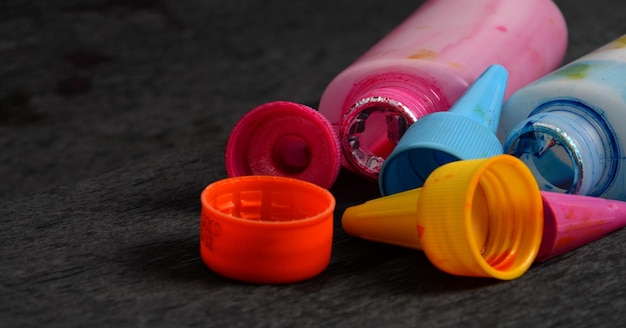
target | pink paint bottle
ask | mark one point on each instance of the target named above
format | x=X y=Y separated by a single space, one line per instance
x=427 y=62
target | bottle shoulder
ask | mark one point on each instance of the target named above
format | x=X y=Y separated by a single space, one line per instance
x=447 y=82
x=597 y=94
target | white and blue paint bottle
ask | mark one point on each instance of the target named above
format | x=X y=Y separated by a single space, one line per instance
x=569 y=126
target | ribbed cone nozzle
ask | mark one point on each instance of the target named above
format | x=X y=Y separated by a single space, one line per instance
x=571 y=221
x=466 y=131
x=480 y=217
x=390 y=219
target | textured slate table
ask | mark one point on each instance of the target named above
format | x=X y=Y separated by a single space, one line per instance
x=113 y=118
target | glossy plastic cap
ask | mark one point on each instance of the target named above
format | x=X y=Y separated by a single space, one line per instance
x=466 y=131
x=284 y=139
x=265 y=229
x=480 y=218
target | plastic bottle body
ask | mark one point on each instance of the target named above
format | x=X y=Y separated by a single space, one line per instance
x=569 y=126
x=428 y=61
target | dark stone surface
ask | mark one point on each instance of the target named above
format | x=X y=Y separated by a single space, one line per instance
x=113 y=118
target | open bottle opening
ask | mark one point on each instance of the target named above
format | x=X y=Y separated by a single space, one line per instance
x=370 y=131
x=567 y=147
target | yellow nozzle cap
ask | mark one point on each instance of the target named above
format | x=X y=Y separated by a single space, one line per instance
x=481 y=217
x=391 y=219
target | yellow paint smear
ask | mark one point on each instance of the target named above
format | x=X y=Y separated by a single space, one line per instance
x=619 y=43
x=423 y=54
x=454 y=65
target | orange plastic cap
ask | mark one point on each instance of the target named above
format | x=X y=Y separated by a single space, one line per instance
x=266 y=229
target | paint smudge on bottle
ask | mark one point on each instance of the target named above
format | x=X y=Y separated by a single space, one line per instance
x=424 y=54
x=575 y=71
x=619 y=43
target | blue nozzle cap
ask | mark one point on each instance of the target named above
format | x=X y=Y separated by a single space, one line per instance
x=466 y=131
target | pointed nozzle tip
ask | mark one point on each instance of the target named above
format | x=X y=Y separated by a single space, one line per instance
x=483 y=100
x=350 y=221
x=572 y=221
x=496 y=71
x=390 y=219
x=495 y=76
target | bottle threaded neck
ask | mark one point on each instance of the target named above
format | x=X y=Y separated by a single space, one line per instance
x=372 y=128
x=376 y=121
x=567 y=147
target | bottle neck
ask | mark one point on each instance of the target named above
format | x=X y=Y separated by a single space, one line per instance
x=568 y=147
x=378 y=118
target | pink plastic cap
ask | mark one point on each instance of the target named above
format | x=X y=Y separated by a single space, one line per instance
x=284 y=139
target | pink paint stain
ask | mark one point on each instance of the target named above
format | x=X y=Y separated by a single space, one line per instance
x=502 y=28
